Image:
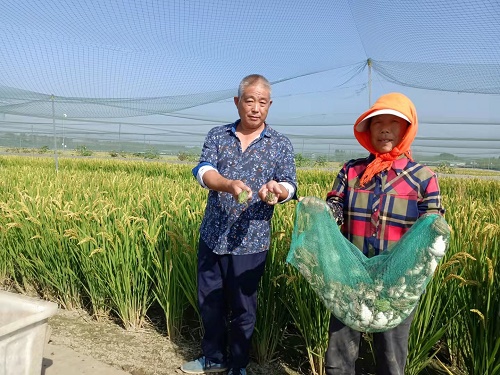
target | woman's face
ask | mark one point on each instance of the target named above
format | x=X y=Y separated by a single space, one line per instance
x=386 y=132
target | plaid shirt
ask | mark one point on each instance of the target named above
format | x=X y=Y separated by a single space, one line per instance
x=377 y=215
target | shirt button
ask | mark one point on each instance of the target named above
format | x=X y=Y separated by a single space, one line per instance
x=375 y=209
x=374 y=234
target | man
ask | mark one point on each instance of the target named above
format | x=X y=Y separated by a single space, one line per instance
x=248 y=168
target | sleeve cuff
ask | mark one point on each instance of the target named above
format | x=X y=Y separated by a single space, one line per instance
x=291 y=191
x=201 y=171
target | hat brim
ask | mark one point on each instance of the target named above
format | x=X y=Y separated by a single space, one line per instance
x=362 y=126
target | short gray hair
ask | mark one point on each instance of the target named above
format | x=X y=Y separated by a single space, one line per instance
x=253 y=79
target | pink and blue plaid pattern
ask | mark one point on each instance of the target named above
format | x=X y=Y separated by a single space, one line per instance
x=378 y=214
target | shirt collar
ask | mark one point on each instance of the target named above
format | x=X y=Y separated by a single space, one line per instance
x=234 y=125
x=265 y=132
x=397 y=165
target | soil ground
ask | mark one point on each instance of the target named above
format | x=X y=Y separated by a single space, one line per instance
x=141 y=352
x=145 y=351
x=148 y=351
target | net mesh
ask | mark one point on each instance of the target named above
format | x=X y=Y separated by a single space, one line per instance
x=155 y=53
x=120 y=67
x=367 y=294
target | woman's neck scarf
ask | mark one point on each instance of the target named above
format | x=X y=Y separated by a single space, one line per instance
x=396 y=104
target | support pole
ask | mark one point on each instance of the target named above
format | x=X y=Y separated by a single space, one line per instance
x=369 y=63
x=55 y=138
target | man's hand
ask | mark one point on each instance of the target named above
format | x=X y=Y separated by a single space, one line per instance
x=241 y=192
x=271 y=192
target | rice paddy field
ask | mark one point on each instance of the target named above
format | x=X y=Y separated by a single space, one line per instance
x=119 y=239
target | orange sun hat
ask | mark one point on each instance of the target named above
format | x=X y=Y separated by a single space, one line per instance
x=393 y=104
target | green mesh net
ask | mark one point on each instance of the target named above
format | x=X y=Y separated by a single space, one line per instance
x=367 y=294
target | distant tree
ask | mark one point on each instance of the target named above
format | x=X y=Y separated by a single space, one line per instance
x=151 y=153
x=300 y=160
x=43 y=150
x=447 y=156
x=83 y=151
x=186 y=156
x=182 y=156
x=321 y=160
x=445 y=168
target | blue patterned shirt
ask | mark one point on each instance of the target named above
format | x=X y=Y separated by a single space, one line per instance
x=229 y=227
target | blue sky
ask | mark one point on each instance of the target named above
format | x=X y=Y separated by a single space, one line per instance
x=159 y=53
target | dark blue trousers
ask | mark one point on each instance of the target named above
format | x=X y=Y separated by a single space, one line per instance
x=227 y=297
x=390 y=347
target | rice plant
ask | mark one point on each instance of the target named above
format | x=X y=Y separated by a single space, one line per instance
x=35 y=242
x=272 y=318
x=310 y=318
x=183 y=235
x=175 y=265
x=474 y=337
x=114 y=237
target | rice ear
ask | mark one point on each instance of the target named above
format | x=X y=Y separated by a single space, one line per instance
x=270 y=196
x=243 y=196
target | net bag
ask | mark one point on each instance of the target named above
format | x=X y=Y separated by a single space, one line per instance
x=367 y=294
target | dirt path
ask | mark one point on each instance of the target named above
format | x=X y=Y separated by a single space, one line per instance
x=141 y=352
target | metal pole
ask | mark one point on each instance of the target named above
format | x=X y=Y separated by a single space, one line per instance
x=369 y=63
x=63 y=143
x=55 y=140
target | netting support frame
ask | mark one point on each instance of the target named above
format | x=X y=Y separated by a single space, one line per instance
x=56 y=161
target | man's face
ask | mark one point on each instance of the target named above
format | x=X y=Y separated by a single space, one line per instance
x=386 y=132
x=253 y=106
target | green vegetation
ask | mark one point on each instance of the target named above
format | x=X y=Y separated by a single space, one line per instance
x=185 y=156
x=43 y=150
x=83 y=151
x=117 y=237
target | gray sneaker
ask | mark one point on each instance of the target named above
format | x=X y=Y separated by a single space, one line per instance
x=237 y=371
x=202 y=366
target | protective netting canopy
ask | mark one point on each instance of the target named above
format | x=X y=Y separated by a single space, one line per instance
x=367 y=294
x=160 y=56
x=167 y=70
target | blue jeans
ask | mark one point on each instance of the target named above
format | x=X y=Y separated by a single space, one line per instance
x=227 y=297
x=391 y=348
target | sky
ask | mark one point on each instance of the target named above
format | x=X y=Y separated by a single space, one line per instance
x=167 y=70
